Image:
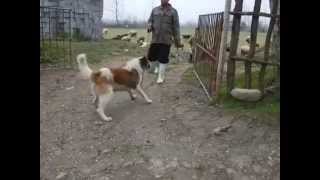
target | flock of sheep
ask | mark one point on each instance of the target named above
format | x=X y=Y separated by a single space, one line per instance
x=128 y=37
x=244 y=49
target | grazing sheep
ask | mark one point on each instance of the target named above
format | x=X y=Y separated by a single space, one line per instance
x=244 y=50
x=126 y=38
x=119 y=37
x=144 y=44
x=140 y=40
x=186 y=36
x=133 y=33
x=248 y=40
x=105 y=31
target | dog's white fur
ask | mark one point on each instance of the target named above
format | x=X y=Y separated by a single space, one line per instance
x=104 y=99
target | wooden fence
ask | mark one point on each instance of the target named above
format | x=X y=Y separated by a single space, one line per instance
x=250 y=58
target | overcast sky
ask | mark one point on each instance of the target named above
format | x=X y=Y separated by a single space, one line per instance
x=188 y=10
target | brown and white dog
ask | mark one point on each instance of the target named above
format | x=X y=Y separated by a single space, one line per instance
x=106 y=81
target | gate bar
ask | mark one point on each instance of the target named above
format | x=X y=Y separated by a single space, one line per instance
x=223 y=45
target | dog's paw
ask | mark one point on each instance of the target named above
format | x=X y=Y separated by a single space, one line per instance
x=149 y=101
x=94 y=100
x=133 y=97
x=107 y=118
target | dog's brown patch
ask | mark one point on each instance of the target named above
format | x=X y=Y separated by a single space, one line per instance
x=101 y=82
x=126 y=78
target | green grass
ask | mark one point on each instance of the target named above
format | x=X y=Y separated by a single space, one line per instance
x=52 y=53
x=102 y=50
x=96 y=51
x=269 y=106
x=141 y=32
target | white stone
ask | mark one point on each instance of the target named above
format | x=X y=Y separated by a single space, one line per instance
x=250 y=95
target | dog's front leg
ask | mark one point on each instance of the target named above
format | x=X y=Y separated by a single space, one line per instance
x=140 y=90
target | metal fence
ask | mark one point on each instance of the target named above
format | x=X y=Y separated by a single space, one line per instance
x=55 y=35
x=207 y=45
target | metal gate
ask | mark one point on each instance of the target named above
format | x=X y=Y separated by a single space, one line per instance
x=55 y=35
x=207 y=46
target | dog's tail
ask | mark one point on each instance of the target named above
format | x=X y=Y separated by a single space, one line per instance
x=85 y=70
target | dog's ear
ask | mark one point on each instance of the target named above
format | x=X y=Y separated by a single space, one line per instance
x=144 y=62
x=144 y=58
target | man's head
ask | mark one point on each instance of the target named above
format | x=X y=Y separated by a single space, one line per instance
x=164 y=2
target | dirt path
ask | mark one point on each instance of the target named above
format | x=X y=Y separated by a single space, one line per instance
x=172 y=138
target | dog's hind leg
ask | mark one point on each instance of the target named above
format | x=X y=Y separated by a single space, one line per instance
x=94 y=100
x=132 y=95
x=103 y=101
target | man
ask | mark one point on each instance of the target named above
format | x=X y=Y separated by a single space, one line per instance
x=165 y=28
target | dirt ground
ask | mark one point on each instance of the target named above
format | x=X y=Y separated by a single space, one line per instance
x=172 y=138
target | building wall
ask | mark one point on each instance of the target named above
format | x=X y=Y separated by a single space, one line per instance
x=86 y=15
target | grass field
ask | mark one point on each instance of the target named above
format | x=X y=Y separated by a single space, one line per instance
x=268 y=107
x=143 y=32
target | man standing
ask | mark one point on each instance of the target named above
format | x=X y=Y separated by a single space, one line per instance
x=165 y=28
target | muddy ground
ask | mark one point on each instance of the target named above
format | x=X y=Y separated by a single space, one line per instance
x=173 y=138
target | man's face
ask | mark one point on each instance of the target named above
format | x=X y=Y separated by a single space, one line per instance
x=164 y=2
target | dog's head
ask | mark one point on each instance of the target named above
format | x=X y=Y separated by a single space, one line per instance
x=144 y=63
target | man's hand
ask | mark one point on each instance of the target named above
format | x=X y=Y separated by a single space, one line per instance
x=149 y=28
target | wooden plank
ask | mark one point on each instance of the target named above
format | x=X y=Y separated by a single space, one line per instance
x=251 y=60
x=216 y=50
x=223 y=47
x=234 y=45
x=267 y=46
x=263 y=14
x=207 y=52
x=253 y=41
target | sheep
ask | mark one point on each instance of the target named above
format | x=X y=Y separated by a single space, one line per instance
x=186 y=36
x=140 y=40
x=244 y=50
x=248 y=40
x=105 y=31
x=144 y=44
x=126 y=38
x=133 y=33
x=119 y=37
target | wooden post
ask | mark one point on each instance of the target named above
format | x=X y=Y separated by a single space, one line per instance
x=223 y=45
x=267 y=45
x=234 y=45
x=253 y=42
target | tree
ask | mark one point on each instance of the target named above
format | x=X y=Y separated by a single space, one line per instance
x=275 y=44
x=116 y=7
